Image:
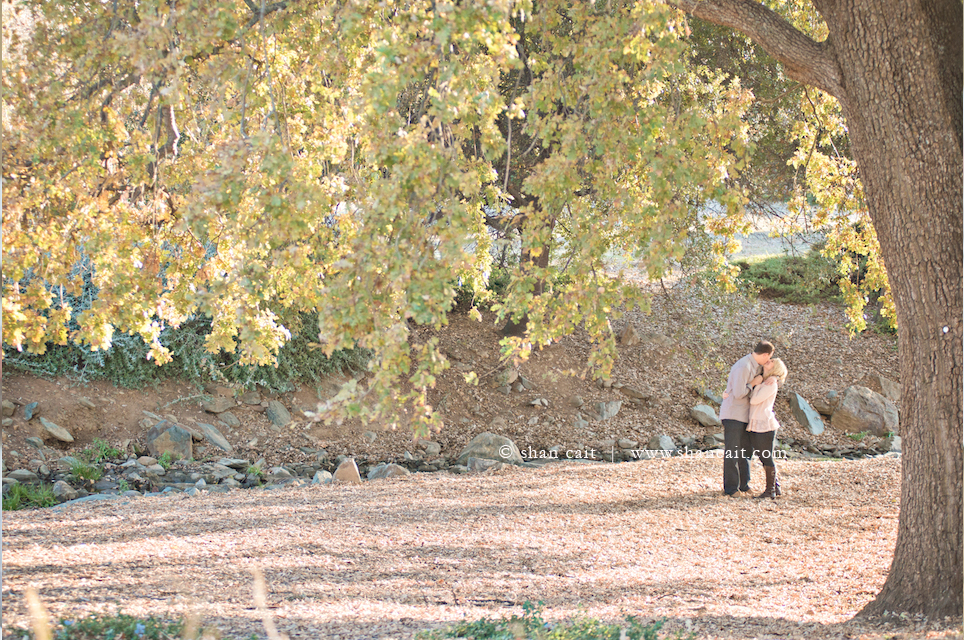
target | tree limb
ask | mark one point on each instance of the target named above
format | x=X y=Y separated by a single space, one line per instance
x=805 y=60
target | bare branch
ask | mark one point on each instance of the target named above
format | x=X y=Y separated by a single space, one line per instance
x=804 y=59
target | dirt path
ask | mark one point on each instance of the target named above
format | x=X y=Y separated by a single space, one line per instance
x=382 y=560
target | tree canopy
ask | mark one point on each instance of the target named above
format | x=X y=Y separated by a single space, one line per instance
x=240 y=160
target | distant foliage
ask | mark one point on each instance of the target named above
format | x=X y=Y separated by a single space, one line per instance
x=126 y=363
x=24 y=496
x=793 y=279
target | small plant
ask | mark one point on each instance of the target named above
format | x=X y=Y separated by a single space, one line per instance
x=531 y=625
x=255 y=470
x=166 y=460
x=23 y=496
x=120 y=626
x=857 y=437
x=86 y=471
x=123 y=485
x=101 y=451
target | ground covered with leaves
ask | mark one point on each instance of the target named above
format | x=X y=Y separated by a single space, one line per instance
x=652 y=539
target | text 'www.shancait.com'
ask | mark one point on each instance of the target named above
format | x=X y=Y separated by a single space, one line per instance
x=557 y=453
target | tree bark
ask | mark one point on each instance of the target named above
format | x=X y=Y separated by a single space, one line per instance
x=899 y=81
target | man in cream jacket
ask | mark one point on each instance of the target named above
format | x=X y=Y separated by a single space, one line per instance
x=735 y=416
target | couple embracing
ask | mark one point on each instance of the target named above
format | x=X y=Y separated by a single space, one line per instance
x=749 y=425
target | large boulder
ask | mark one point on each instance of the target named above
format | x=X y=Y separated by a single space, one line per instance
x=805 y=414
x=705 y=415
x=491 y=447
x=861 y=409
x=884 y=386
x=167 y=437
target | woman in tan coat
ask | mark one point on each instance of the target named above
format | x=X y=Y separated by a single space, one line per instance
x=763 y=423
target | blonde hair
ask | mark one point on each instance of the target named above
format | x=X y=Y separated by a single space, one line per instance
x=779 y=371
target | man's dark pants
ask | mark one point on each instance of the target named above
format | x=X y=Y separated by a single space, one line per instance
x=736 y=457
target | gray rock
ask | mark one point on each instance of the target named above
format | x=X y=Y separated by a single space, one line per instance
x=884 y=386
x=504 y=389
x=56 y=431
x=235 y=463
x=580 y=422
x=805 y=414
x=432 y=449
x=192 y=492
x=705 y=415
x=712 y=397
x=823 y=406
x=31 y=410
x=97 y=497
x=37 y=444
x=8 y=409
x=277 y=414
x=24 y=475
x=890 y=444
x=658 y=341
x=661 y=443
x=347 y=471
x=492 y=447
x=156 y=470
x=7 y=422
x=607 y=410
x=629 y=337
x=626 y=443
x=322 y=477
x=458 y=469
x=212 y=435
x=147 y=461
x=250 y=398
x=131 y=493
x=636 y=394
x=370 y=437
x=218 y=404
x=217 y=472
x=230 y=482
x=527 y=384
x=86 y=403
x=166 y=437
x=387 y=471
x=279 y=473
x=229 y=419
x=576 y=401
x=479 y=465
x=861 y=409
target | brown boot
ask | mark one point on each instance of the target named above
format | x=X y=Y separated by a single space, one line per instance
x=770 y=491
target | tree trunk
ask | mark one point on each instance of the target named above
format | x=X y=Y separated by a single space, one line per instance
x=527 y=261
x=902 y=78
x=896 y=68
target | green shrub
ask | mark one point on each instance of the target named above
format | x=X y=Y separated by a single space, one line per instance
x=531 y=626
x=100 y=451
x=86 y=471
x=793 y=279
x=24 y=496
x=125 y=364
x=166 y=460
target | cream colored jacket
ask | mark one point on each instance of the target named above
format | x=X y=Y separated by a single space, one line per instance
x=762 y=418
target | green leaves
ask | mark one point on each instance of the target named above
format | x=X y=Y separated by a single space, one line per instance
x=343 y=159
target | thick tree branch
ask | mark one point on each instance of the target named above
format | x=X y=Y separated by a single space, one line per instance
x=805 y=60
